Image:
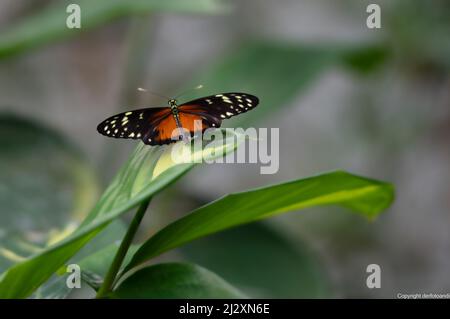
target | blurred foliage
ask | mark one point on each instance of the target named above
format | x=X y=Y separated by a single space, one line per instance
x=41 y=173
x=49 y=24
x=365 y=59
x=277 y=73
x=262 y=263
x=420 y=34
x=46 y=186
x=175 y=280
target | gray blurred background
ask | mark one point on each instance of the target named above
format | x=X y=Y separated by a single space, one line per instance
x=375 y=102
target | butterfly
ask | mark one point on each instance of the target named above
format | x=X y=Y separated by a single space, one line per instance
x=156 y=126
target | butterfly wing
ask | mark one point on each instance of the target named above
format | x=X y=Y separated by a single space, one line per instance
x=145 y=124
x=156 y=126
x=215 y=108
x=165 y=132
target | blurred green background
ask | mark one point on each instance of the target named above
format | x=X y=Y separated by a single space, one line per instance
x=373 y=102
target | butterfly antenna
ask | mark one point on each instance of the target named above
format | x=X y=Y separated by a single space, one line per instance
x=153 y=93
x=187 y=91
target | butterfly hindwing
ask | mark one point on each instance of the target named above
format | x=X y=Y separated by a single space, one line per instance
x=136 y=124
x=161 y=133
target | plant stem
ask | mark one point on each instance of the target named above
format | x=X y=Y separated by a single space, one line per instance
x=122 y=251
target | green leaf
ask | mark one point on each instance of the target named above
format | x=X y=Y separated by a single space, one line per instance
x=149 y=170
x=175 y=280
x=366 y=196
x=259 y=261
x=49 y=24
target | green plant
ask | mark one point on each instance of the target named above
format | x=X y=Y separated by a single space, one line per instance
x=120 y=272
x=148 y=172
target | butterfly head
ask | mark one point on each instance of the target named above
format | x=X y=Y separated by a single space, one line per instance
x=173 y=103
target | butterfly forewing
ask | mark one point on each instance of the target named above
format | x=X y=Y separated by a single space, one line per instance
x=137 y=124
x=217 y=107
x=165 y=132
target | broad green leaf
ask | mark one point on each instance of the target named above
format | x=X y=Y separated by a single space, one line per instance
x=175 y=280
x=277 y=73
x=365 y=196
x=147 y=172
x=49 y=24
x=259 y=261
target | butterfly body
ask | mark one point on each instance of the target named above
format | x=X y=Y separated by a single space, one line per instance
x=163 y=125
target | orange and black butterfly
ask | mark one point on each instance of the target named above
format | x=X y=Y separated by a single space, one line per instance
x=155 y=126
